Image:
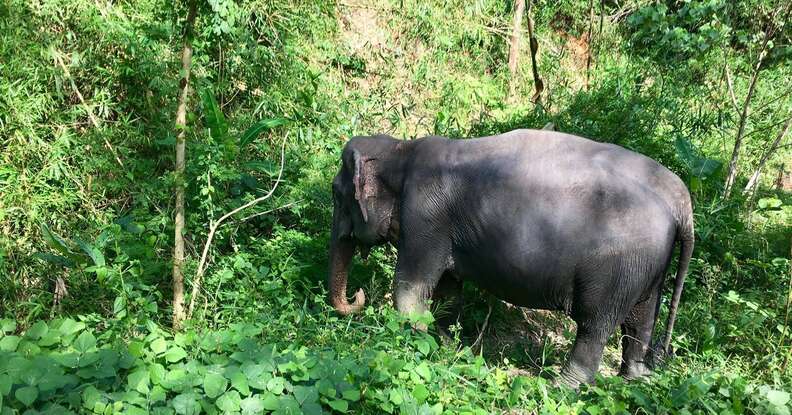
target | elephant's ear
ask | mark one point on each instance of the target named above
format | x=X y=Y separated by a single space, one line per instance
x=359 y=180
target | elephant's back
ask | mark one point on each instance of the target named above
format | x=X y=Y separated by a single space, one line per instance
x=559 y=191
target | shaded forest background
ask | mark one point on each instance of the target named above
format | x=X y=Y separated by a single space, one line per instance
x=88 y=100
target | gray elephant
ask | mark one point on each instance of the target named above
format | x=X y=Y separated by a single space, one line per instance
x=539 y=219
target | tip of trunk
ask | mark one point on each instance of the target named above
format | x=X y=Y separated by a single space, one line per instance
x=344 y=308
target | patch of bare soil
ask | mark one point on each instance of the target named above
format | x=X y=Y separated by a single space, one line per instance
x=576 y=53
x=361 y=27
x=390 y=61
x=537 y=341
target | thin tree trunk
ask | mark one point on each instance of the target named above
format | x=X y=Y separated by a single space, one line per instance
x=754 y=180
x=735 y=157
x=539 y=86
x=588 y=41
x=181 y=126
x=514 y=45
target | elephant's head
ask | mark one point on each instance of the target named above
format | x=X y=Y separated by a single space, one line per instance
x=366 y=194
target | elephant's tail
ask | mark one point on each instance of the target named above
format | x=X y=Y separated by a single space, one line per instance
x=686 y=239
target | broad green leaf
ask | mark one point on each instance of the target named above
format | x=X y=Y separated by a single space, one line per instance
x=703 y=168
x=50 y=338
x=134 y=410
x=158 y=394
x=257 y=128
x=135 y=348
x=351 y=395
x=396 y=396
x=262 y=166
x=214 y=384
x=770 y=203
x=423 y=346
x=175 y=354
x=240 y=383
x=27 y=395
x=777 y=398
x=175 y=379
x=305 y=394
x=229 y=401
x=9 y=343
x=339 y=405
x=57 y=243
x=312 y=408
x=252 y=405
x=93 y=252
x=37 y=330
x=90 y=397
x=54 y=259
x=270 y=402
x=28 y=348
x=69 y=327
x=215 y=120
x=685 y=150
x=186 y=404
x=157 y=373
x=7 y=325
x=5 y=384
x=420 y=393
x=159 y=345
x=85 y=342
x=276 y=385
x=139 y=381
x=423 y=371
x=70 y=360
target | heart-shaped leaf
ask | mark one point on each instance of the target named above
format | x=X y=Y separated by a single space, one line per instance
x=85 y=342
x=27 y=395
x=214 y=384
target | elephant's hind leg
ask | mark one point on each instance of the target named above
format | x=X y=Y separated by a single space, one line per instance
x=602 y=296
x=596 y=321
x=637 y=336
x=447 y=302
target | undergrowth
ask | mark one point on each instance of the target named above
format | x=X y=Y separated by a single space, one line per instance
x=86 y=212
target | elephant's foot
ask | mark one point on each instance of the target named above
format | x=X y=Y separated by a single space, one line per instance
x=573 y=375
x=410 y=300
x=634 y=370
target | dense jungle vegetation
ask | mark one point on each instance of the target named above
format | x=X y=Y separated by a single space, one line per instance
x=91 y=187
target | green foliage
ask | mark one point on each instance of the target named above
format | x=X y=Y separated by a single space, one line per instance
x=315 y=73
x=686 y=30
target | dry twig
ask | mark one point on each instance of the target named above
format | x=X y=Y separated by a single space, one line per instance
x=215 y=225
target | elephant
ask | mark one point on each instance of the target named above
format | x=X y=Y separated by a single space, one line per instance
x=539 y=219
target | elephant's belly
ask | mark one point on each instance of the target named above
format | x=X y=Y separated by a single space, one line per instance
x=534 y=284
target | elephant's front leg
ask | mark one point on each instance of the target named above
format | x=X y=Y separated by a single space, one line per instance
x=418 y=270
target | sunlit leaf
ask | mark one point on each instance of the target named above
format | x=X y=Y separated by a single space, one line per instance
x=214 y=384
x=259 y=127
x=215 y=120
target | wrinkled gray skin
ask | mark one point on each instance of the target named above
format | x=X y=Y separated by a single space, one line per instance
x=537 y=218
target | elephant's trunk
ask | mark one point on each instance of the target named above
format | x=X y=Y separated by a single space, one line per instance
x=341 y=251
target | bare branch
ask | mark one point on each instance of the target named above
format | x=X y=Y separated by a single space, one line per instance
x=730 y=86
x=733 y=163
x=754 y=180
x=214 y=226
x=91 y=115
x=290 y=204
